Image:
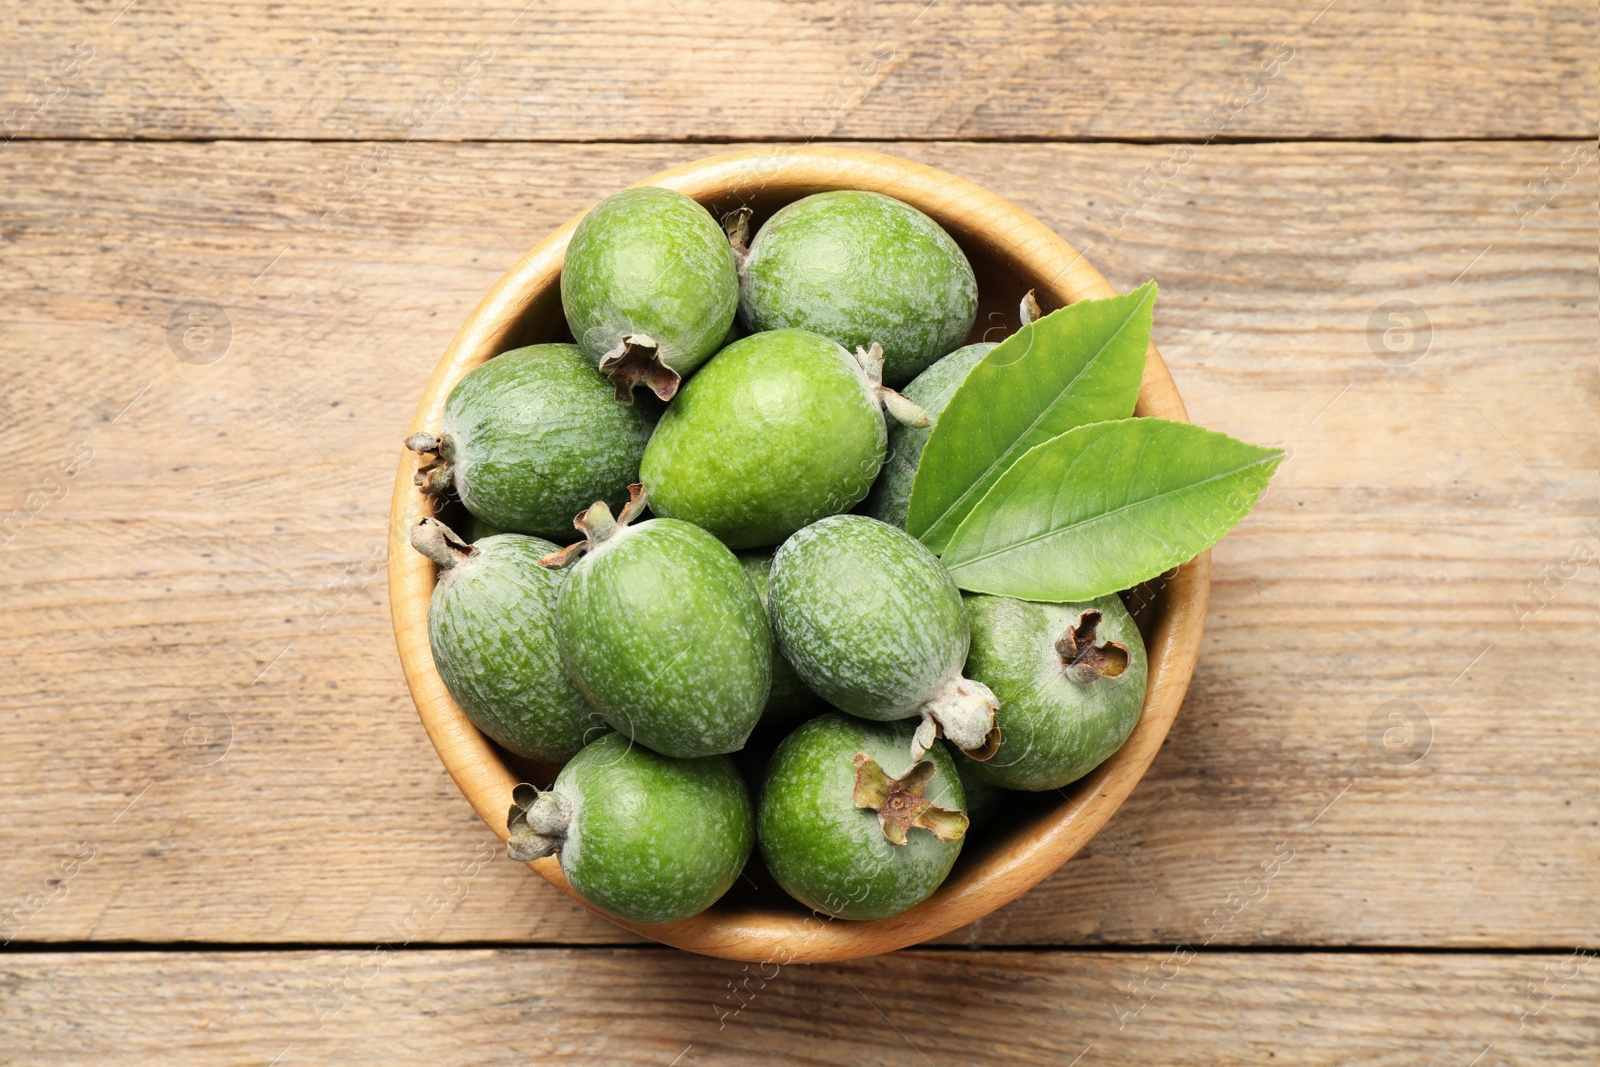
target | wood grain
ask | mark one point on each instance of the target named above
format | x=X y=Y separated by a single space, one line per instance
x=633 y=1006
x=777 y=69
x=224 y=543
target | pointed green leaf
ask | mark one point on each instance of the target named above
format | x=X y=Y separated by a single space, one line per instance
x=1105 y=507
x=1079 y=365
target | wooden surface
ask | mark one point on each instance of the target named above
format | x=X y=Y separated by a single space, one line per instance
x=218 y=549
x=646 y=1006
x=566 y=70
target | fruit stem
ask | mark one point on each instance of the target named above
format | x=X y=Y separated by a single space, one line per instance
x=1029 y=311
x=903 y=411
x=636 y=359
x=963 y=712
x=439 y=543
x=422 y=441
x=598 y=527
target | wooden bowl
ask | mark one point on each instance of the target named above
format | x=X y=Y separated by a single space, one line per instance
x=1011 y=252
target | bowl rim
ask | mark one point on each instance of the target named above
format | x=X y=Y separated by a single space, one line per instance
x=1032 y=852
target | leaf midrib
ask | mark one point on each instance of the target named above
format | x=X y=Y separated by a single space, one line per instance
x=1014 y=545
x=1060 y=395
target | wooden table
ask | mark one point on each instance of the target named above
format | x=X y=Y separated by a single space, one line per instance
x=236 y=238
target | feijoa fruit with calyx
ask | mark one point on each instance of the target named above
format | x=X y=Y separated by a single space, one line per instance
x=788 y=698
x=779 y=430
x=662 y=632
x=645 y=837
x=491 y=625
x=650 y=288
x=532 y=437
x=861 y=267
x=873 y=623
x=1070 y=679
x=854 y=827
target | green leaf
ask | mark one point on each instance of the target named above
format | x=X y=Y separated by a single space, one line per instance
x=1105 y=507
x=1078 y=365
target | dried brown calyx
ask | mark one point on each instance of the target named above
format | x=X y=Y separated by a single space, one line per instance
x=439 y=543
x=435 y=477
x=637 y=360
x=1028 y=311
x=962 y=712
x=597 y=527
x=538 y=823
x=736 y=224
x=902 y=803
x=1084 y=657
x=897 y=407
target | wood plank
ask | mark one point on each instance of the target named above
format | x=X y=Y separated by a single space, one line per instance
x=223 y=544
x=731 y=69
x=641 y=1006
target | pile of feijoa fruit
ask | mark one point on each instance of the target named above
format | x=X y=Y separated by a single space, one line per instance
x=812 y=514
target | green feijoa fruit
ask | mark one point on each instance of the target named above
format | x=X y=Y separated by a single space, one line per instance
x=491 y=625
x=984 y=800
x=789 y=699
x=931 y=391
x=1070 y=679
x=779 y=430
x=663 y=633
x=650 y=287
x=873 y=624
x=646 y=837
x=854 y=827
x=533 y=437
x=861 y=267
x=477 y=529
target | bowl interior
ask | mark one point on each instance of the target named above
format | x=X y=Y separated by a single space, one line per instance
x=1011 y=253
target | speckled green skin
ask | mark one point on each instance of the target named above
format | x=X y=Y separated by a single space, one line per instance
x=861 y=267
x=1053 y=730
x=789 y=698
x=867 y=616
x=984 y=801
x=652 y=839
x=650 y=261
x=931 y=390
x=535 y=436
x=491 y=624
x=776 y=432
x=831 y=855
x=666 y=638
x=477 y=530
